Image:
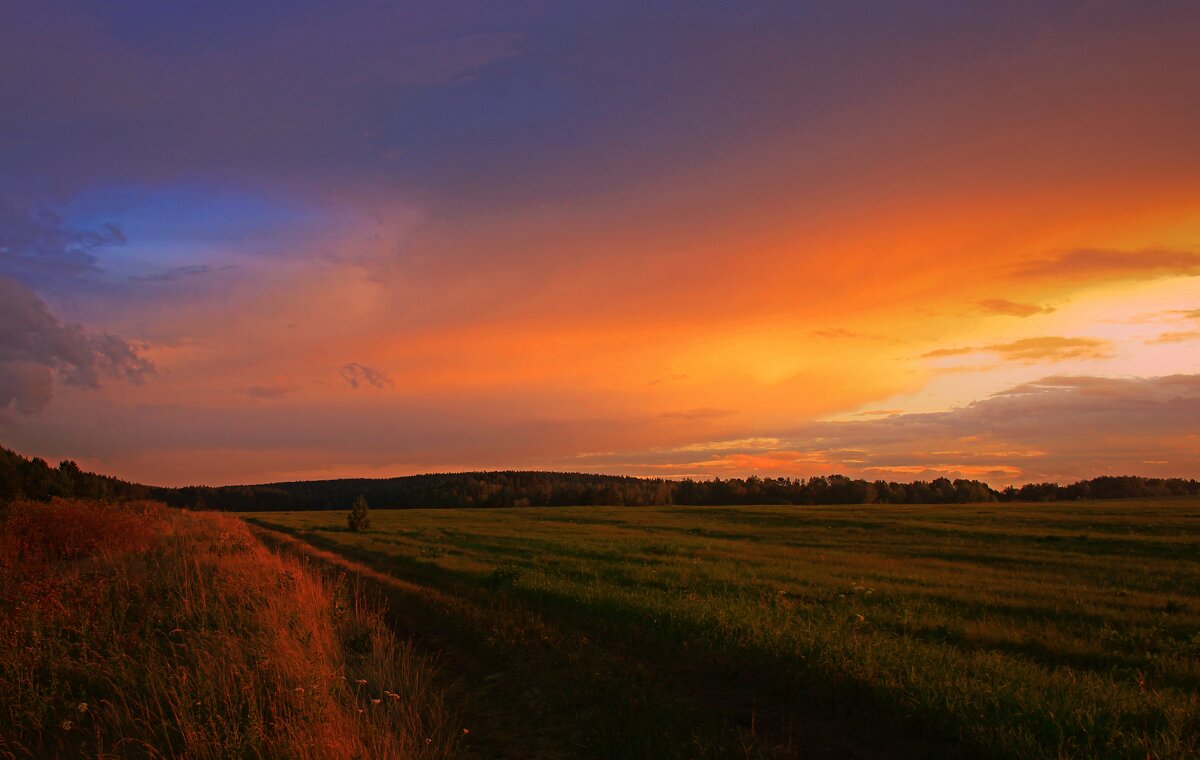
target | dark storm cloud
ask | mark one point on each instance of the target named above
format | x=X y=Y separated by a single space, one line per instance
x=456 y=98
x=35 y=347
x=268 y=91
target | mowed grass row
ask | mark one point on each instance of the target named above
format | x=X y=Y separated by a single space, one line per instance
x=1061 y=630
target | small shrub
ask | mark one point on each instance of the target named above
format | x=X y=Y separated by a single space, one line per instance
x=360 y=515
x=504 y=575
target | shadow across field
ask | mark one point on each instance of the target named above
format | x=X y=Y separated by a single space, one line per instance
x=800 y=632
x=545 y=676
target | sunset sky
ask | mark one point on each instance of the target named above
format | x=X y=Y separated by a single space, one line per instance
x=256 y=241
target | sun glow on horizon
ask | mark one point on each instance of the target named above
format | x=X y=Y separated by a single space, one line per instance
x=878 y=243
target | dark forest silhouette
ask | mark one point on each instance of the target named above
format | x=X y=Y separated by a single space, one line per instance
x=21 y=477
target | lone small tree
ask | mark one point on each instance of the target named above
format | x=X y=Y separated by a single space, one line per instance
x=360 y=515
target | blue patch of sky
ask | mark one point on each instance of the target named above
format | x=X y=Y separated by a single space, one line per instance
x=186 y=225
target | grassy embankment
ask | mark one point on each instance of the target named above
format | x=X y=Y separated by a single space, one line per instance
x=1004 y=631
x=138 y=631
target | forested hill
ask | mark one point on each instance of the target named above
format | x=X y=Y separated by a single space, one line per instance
x=21 y=477
x=546 y=489
x=37 y=479
x=468 y=489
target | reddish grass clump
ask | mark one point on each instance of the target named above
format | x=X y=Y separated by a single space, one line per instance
x=71 y=529
x=40 y=541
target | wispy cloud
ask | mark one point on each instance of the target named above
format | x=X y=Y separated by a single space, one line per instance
x=1012 y=308
x=1041 y=349
x=699 y=413
x=442 y=61
x=274 y=390
x=361 y=376
x=834 y=333
x=945 y=352
x=1111 y=264
x=38 y=246
x=1181 y=336
x=1052 y=348
x=734 y=445
x=177 y=273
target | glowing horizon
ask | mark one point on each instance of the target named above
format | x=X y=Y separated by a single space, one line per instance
x=266 y=243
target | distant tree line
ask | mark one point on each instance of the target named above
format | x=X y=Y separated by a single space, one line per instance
x=473 y=489
x=1105 y=487
x=36 y=479
x=22 y=478
x=553 y=489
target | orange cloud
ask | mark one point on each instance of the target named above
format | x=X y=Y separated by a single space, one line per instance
x=1058 y=428
x=1176 y=337
x=699 y=413
x=1047 y=349
x=1052 y=349
x=1012 y=308
x=836 y=332
x=944 y=352
x=1107 y=264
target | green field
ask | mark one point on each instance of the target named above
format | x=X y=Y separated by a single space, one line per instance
x=1015 y=630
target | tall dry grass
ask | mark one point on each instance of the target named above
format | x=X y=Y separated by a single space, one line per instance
x=140 y=631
